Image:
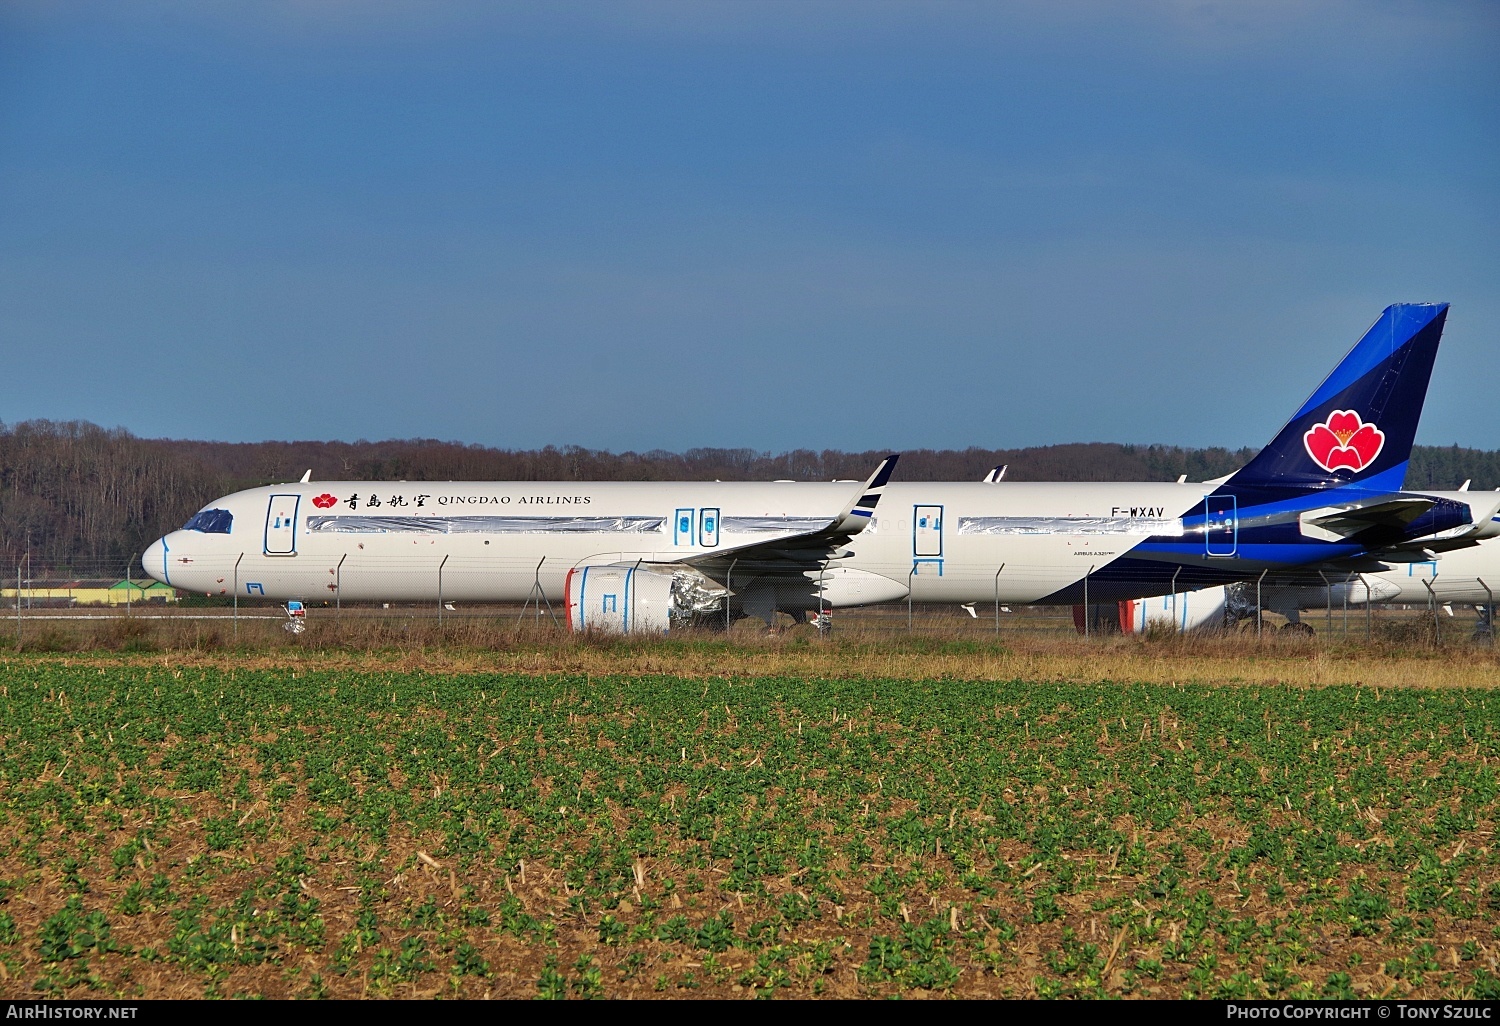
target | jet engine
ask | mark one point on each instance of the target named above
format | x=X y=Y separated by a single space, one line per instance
x=618 y=600
x=629 y=598
x=1204 y=609
x=634 y=599
x=1215 y=608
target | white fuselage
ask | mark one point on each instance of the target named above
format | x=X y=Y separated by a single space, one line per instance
x=1467 y=576
x=510 y=541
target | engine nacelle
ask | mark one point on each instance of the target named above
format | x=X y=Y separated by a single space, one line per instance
x=1204 y=609
x=1357 y=592
x=619 y=600
x=843 y=586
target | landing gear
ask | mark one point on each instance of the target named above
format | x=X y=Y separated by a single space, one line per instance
x=710 y=622
x=1297 y=630
x=1484 y=627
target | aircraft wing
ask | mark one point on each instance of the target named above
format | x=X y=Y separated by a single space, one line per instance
x=813 y=544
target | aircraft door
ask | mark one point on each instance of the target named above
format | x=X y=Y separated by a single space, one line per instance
x=281 y=525
x=682 y=527
x=1221 y=525
x=927 y=531
x=708 y=527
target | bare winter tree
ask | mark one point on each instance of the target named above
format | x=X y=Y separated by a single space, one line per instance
x=73 y=491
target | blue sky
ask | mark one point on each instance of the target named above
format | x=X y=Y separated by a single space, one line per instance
x=765 y=224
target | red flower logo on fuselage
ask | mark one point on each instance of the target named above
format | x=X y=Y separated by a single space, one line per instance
x=324 y=501
x=1344 y=442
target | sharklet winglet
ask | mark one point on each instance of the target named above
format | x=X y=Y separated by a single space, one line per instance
x=857 y=514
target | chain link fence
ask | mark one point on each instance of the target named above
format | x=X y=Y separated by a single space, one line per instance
x=80 y=596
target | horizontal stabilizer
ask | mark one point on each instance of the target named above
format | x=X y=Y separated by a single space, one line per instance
x=1400 y=522
x=1337 y=524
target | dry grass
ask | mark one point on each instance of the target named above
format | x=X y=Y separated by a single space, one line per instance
x=1401 y=655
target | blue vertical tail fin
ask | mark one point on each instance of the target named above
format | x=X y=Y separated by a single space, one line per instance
x=1357 y=428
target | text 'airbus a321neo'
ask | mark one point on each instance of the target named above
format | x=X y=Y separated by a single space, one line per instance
x=633 y=556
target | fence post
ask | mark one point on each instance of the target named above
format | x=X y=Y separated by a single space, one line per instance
x=825 y=621
x=237 y=596
x=997 y=600
x=728 y=592
x=338 y=590
x=1259 y=616
x=1369 y=609
x=1487 y=624
x=909 y=577
x=538 y=594
x=1432 y=603
x=1175 y=618
x=128 y=586
x=1086 y=616
x=440 y=588
x=18 y=603
x=541 y=593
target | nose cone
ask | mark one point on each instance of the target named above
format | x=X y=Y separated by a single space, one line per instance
x=154 y=560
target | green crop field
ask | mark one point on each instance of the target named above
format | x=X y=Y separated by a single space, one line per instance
x=199 y=831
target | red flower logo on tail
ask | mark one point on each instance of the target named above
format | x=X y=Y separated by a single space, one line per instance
x=324 y=501
x=1344 y=442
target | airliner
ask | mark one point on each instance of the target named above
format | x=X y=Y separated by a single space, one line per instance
x=1465 y=576
x=638 y=556
x=1463 y=569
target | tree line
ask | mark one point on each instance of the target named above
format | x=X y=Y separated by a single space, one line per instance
x=74 y=492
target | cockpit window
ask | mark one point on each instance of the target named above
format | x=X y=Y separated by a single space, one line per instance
x=210 y=521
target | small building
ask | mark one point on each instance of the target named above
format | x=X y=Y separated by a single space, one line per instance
x=87 y=592
x=159 y=592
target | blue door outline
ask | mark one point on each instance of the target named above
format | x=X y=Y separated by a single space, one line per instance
x=283 y=542
x=1221 y=525
x=682 y=527
x=708 y=527
x=927 y=532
